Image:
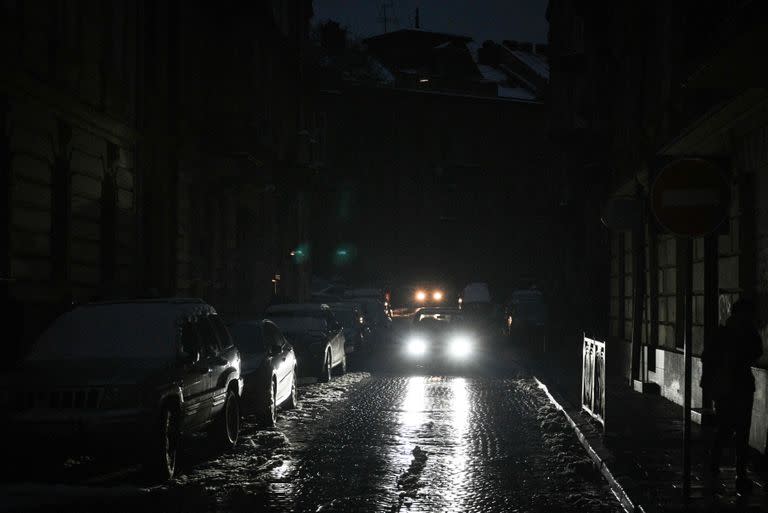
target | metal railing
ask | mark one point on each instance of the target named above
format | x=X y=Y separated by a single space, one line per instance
x=593 y=379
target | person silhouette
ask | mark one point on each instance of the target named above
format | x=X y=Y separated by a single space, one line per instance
x=727 y=377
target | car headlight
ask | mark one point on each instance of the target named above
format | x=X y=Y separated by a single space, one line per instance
x=416 y=346
x=460 y=346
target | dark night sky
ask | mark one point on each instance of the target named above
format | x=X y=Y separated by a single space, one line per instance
x=521 y=20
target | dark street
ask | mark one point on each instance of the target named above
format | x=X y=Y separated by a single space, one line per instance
x=369 y=441
x=386 y=255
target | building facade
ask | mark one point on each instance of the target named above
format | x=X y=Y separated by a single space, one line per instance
x=440 y=157
x=649 y=84
x=150 y=148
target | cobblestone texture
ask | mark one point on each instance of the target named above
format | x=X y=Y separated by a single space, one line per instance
x=383 y=443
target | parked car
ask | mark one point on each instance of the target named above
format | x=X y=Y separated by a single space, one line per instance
x=526 y=308
x=317 y=337
x=364 y=293
x=377 y=319
x=138 y=375
x=269 y=368
x=356 y=331
x=525 y=317
x=322 y=297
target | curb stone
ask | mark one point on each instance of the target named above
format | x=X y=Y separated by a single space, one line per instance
x=616 y=487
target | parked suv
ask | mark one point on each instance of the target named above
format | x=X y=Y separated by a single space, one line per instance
x=138 y=375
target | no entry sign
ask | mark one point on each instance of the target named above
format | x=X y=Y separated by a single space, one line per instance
x=690 y=197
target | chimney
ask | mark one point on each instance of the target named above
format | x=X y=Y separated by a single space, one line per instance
x=417 y=23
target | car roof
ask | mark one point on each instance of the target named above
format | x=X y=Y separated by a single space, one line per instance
x=349 y=305
x=181 y=308
x=164 y=300
x=299 y=307
x=247 y=321
x=253 y=322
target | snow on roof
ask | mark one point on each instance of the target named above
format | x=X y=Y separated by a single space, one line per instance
x=474 y=47
x=441 y=46
x=380 y=71
x=401 y=32
x=126 y=330
x=533 y=61
x=519 y=93
x=491 y=73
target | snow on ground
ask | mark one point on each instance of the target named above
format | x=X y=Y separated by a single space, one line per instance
x=262 y=452
x=262 y=457
x=563 y=445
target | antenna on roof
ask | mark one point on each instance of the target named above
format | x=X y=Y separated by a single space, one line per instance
x=387 y=16
x=417 y=21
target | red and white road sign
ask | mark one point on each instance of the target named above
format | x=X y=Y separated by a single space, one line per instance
x=690 y=197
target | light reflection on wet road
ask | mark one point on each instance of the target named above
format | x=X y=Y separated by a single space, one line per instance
x=442 y=443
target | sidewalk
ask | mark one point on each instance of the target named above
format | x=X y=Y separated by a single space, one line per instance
x=642 y=449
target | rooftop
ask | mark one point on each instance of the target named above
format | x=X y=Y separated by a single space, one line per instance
x=417 y=33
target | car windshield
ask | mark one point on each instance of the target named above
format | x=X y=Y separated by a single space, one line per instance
x=374 y=310
x=347 y=318
x=247 y=336
x=299 y=322
x=135 y=331
x=531 y=309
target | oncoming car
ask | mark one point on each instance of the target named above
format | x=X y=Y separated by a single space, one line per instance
x=441 y=335
x=425 y=296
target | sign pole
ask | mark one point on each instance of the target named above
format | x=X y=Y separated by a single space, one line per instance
x=687 y=348
x=690 y=198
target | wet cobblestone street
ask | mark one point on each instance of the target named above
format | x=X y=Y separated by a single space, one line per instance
x=380 y=442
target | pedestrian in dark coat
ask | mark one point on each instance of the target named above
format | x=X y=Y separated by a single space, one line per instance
x=727 y=378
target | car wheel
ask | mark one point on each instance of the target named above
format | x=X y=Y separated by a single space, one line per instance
x=269 y=410
x=293 y=399
x=341 y=369
x=325 y=374
x=226 y=428
x=160 y=463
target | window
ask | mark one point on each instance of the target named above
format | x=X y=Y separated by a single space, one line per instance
x=208 y=337
x=578 y=34
x=225 y=339
x=331 y=320
x=248 y=336
x=190 y=339
x=272 y=336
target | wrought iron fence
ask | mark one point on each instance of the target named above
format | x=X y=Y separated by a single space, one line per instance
x=593 y=378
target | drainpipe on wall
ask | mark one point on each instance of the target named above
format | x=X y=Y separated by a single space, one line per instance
x=638 y=292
